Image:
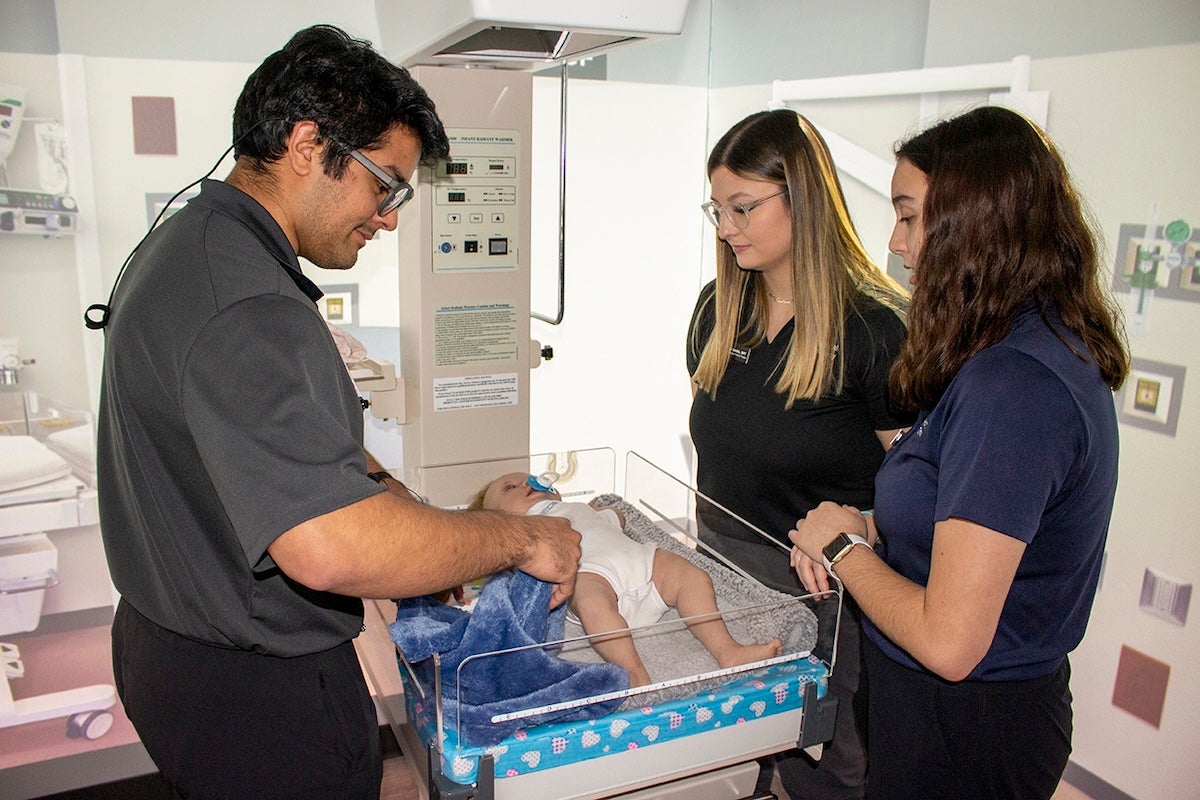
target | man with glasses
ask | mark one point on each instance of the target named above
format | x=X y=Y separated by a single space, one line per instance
x=241 y=517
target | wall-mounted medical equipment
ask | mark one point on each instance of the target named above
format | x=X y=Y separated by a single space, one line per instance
x=48 y=213
x=11 y=362
x=1154 y=260
x=520 y=34
x=12 y=111
x=23 y=211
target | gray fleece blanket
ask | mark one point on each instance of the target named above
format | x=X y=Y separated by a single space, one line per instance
x=669 y=650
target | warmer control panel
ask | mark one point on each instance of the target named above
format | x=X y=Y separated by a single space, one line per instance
x=475 y=210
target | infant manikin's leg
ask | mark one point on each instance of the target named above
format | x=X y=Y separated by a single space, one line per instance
x=689 y=589
x=595 y=603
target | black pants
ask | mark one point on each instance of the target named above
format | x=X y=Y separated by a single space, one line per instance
x=223 y=723
x=841 y=773
x=933 y=739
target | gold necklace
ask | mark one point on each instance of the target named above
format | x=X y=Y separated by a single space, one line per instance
x=775 y=299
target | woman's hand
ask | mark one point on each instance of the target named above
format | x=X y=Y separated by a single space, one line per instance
x=817 y=529
x=811 y=573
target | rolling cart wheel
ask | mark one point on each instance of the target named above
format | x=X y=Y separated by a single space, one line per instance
x=90 y=725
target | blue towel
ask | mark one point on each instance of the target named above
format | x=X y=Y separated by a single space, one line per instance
x=513 y=610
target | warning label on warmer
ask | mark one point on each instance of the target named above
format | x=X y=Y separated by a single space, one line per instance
x=475 y=334
x=474 y=391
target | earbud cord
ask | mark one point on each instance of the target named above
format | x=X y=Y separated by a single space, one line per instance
x=105 y=309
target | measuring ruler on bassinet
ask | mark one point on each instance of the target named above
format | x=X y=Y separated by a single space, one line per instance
x=650 y=687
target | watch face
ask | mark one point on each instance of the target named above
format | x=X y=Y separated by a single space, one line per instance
x=839 y=542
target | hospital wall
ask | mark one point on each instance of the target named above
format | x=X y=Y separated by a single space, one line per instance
x=1127 y=123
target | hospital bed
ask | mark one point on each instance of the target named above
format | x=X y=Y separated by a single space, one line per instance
x=695 y=732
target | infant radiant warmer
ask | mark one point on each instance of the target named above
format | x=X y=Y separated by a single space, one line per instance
x=694 y=733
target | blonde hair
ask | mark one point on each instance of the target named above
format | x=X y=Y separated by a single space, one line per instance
x=476 y=503
x=830 y=266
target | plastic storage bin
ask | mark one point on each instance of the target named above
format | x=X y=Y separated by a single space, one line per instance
x=27 y=569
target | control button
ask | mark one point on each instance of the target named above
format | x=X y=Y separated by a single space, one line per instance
x=471 y=246
x=476 y=218
x=454 y=219
x=497 y=247
x=497 y=217
x=446 y=247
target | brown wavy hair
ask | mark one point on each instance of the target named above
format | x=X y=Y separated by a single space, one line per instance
x=830 y=266
x=1003 y=227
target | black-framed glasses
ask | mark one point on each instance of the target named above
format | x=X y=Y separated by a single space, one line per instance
x=738 y=214
x=398 y=192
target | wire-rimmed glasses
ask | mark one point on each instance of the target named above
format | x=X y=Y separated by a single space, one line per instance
x=398 y=192
x=739 y=214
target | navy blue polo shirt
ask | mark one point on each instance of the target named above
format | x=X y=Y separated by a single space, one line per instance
x=1024 y=442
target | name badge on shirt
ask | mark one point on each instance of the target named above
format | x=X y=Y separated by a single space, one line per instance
x=737 y=354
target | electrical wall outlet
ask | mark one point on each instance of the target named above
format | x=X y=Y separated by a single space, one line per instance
x=1165 y=596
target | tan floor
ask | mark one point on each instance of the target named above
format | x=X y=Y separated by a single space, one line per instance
x=1066 y=791
x=399 y=783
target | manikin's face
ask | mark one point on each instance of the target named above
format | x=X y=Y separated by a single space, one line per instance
x=909 y=185
x=342 y=215
x=765 y=245
x=512 y=493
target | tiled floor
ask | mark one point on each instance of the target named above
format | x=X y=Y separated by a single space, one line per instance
x=1066 y=791
x=399 y=783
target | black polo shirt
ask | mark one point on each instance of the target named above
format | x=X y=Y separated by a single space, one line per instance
x=226 y=418
x=771 y=464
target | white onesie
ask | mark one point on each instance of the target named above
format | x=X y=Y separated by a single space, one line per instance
x=628 y=566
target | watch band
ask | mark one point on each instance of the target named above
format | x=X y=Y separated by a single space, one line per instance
x=841 y=544
x=379 y=477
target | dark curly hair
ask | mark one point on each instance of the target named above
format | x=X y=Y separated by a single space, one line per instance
x=353 y=94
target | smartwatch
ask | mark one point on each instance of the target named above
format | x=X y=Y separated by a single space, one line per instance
x=838 y=547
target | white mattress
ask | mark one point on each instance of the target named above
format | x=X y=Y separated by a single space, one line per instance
x=77 y=446
x=24 y=462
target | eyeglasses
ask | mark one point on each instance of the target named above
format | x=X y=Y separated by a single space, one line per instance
x=738 y=214
x=398 y=192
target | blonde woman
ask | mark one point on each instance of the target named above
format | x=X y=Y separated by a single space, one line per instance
x=789 y=351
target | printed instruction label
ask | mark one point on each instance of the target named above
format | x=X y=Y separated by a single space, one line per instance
x=474 y=334
x=474 y=391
